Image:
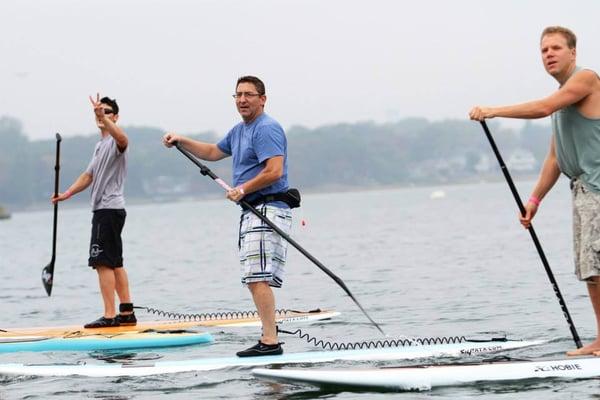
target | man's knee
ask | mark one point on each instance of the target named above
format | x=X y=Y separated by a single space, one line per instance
x=593 y=280
x=258 y=287
x=101 y=269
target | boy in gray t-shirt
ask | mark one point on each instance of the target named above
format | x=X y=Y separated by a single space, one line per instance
x=106 y=174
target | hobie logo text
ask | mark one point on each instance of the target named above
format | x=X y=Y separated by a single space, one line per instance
x=558 y=367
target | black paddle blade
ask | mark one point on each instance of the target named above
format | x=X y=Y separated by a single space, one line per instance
x=47 y=277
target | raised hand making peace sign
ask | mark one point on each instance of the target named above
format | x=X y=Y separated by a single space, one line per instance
x=102 y=111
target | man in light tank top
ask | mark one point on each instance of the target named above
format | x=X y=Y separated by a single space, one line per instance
x=574 y=151
x=106 y=175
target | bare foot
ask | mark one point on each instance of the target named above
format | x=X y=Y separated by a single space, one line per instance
x=587 y=350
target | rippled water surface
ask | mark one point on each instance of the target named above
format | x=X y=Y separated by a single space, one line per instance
x=456 y=265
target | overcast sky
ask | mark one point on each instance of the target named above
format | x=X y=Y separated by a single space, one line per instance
x=173 y=64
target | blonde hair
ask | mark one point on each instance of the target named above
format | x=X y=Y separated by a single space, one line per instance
x=565 y=32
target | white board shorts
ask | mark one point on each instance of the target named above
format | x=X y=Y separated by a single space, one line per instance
x=263 y=251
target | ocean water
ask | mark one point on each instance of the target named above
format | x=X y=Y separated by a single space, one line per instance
x=421 y=266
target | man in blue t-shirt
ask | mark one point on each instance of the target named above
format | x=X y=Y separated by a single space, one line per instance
x=258 y=147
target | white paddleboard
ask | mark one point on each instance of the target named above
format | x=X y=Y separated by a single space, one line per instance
x=207 y=364
x=428 y=377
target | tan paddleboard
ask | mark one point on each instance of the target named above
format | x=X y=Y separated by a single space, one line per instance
x=232 y=322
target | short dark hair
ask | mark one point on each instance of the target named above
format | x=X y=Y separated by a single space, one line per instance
x=258 y=84
x=565 y=32
x=112 y=103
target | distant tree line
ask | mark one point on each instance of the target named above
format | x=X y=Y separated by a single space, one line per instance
x=332 y=157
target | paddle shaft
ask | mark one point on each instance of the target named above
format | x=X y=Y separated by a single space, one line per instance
x=534 y=237
x=48 y=271
x=204 y=170
x=56 y=184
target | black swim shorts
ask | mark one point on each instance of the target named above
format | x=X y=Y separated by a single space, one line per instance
x=106 y=246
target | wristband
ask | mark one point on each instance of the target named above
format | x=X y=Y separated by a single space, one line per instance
x=68 y=194
x=241 y=189
x=535 y=200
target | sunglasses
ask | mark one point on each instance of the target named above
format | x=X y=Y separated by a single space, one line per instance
x=108 y=111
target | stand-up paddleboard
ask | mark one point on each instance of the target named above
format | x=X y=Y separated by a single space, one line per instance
x=117 y=341
x=426 y=377
x=206 y=364
x=226 y=320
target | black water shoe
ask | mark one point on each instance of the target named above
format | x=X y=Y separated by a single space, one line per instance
x=102 y=322
x=261 y=349
x=127 y=319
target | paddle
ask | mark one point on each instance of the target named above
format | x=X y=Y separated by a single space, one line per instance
x=538 y=246
x=48 y=271
x=204 y=170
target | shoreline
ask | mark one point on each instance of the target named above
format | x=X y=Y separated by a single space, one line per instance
x=80 y=203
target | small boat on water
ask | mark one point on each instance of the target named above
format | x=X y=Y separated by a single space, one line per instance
x=437 y=194
x=4 y=214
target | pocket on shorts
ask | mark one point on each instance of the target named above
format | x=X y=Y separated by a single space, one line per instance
x=595 y=245
x=595 y=197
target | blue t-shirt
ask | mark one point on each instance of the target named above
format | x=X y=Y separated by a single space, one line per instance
x=250 y=145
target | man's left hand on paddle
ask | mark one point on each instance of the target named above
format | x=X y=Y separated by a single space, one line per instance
x=235 y=195
x=480 y=113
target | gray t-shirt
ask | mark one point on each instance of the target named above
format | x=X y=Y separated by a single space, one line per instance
x=108 y=168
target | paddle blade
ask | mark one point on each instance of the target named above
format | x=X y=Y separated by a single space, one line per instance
x=48 y=276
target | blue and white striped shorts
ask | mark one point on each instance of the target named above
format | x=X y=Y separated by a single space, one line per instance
x=263 y=251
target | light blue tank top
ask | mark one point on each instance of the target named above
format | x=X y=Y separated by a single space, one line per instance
x=577 y=141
